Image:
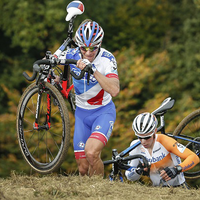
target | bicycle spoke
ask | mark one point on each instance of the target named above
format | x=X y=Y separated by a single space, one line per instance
x=189 y=128
x=28 y=131
x=39 y=140
x=30 y=109
x=44 y=147
x=28 y=141
x=55 y=140
x=28 y=122
x=55 y=113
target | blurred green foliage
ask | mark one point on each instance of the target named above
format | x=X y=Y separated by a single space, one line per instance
x=156 y=44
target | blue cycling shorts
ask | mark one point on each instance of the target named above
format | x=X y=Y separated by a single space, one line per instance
x=96 y=123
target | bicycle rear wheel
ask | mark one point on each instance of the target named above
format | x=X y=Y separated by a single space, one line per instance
x=44 y=149
x=189 y=128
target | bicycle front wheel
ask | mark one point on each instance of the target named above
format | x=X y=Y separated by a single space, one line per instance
x=189 y=128
x=43 y=148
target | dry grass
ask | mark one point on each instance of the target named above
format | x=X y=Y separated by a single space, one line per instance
x=18 y=187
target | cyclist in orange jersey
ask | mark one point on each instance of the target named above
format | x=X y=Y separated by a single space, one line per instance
x=163 y=152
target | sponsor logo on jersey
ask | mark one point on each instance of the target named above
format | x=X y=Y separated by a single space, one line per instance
x=156 y=159
x=114 y=69
x=178 y=160
x=157 y=150
x=111 y=58
x=180 y=147
x=71 y=52
x=114 y=63
x=188 y=166
x=107 y=55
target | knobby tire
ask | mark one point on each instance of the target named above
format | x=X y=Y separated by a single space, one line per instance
x=190 y=127
x=44 y=150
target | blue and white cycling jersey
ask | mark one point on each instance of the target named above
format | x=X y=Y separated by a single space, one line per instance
x=92 y=96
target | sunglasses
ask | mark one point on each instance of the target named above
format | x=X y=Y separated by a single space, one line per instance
x=91 y=49
x=146 y=138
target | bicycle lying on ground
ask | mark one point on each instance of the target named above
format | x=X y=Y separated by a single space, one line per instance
x=187 y=133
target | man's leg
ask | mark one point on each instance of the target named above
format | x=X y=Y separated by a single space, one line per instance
x=83 y=166
x=93 y=150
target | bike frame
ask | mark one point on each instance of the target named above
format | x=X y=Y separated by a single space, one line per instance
x=66 y=87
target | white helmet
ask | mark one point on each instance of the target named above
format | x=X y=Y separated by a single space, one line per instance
x=144 y=124
x=89 y=34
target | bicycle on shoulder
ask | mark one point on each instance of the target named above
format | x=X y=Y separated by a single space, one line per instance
x=43 y=123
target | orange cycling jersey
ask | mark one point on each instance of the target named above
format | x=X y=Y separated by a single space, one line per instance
x=166 y=152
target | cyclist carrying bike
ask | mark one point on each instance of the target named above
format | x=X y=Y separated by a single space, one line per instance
x=95 y=111
x=163 y=152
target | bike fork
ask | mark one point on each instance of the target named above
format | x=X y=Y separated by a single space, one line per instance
x=47 y=124
x=116 y=172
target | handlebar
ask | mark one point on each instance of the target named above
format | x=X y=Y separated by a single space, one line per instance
x=67 y=43
x=37 y=68
x=119 y=160
x=88 y=69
